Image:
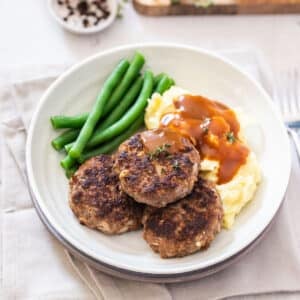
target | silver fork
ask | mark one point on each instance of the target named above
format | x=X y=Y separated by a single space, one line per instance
x=286 y=96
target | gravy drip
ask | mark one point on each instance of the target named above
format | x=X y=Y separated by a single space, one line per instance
x=213 y=127
x=162 y=138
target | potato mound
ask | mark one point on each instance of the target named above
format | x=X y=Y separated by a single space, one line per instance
x=236 y=193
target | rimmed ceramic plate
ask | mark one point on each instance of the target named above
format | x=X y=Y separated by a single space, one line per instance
x=200 y=72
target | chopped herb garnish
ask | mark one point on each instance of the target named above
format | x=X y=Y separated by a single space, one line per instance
x=203 y=3
x=230 y=137
x=120 y=11
x=175 y=165
x=160 y=150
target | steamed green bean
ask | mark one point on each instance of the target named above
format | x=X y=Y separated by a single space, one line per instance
x=98 y=108
x=109 y=147
x=69 y=121
x=131 y=115
x=132 y=72
x=65 y=138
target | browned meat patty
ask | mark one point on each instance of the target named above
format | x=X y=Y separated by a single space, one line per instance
x=186 y=226
x=160 y=173
x=97 y=200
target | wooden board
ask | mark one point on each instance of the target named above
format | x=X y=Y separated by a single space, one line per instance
x=225 y=7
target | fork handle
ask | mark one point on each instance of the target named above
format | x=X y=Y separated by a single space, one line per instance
x=296 y=140
x=293 y=124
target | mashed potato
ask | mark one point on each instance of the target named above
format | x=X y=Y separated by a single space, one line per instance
x=236 y=193
x=160 y=105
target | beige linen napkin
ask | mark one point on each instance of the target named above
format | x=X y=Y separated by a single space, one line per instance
x=35 y=266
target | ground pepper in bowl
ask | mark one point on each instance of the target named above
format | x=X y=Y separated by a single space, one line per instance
x=82 y=13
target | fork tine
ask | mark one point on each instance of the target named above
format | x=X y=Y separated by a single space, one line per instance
x=275 y=96
x=293 y=92
x=275 y=93
x=287 y=84
x=281 y=93
x=288 y=93
x=297 y=83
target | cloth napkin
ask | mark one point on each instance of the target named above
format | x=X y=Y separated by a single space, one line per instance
x=35 y=266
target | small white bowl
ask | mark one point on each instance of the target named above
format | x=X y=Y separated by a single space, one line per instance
x=112 y=5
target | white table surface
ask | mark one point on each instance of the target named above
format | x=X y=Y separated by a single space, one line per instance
x=29 y=35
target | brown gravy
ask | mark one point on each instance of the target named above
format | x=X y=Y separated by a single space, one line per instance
x=155 y=139
x=213 y=127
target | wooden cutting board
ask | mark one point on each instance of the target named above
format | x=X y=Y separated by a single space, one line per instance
x=196 y=7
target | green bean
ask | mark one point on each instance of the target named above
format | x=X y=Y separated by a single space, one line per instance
x=63 y=139
x=158 y=78
x=117 y=113
x=69 y=146
x=131 y=115
x=172 y=82
x=98 y=108
x=70 y=172
x=112 y=145
x=69 y=121
x=68 y=162
x=163 y=85
x=132 y=72
x=128 y=118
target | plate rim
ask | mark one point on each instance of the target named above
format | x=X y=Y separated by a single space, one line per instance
x=38 y=202
x=149 y=277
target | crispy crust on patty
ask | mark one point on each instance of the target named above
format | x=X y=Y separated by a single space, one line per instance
x=158 y=179
x=97 y=200
x=186 y=226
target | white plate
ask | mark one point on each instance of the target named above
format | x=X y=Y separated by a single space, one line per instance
x=193 y=69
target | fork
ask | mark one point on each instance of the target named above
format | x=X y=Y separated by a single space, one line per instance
x=286 y=96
